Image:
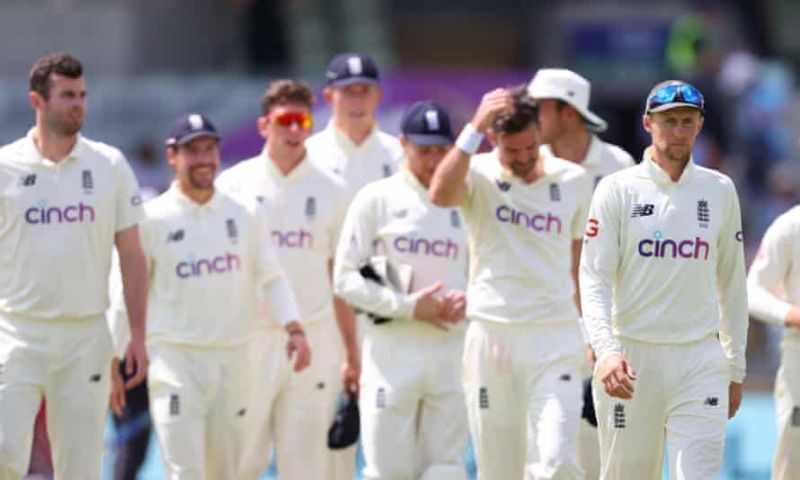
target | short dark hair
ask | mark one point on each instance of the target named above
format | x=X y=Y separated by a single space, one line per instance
x=281 y=92
x=525 y=113
x=62 y=64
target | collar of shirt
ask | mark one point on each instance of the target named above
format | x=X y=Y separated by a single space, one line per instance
x=658 y=175
x=346 y=143
x=411 y=180
x=298 y=172
x=34 y=156
x=594 y=153
x=186 y=203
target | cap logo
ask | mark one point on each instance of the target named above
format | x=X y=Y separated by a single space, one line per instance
x=195 y=121
x=571 y=93
x=354 y=66
x=432 y=119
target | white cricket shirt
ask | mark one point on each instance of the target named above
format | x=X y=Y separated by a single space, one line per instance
x=395 y=217
x=207 y=262
x=601 y=159
x=375 y=158
x=773 y=284
x=57 y=226
x=520 y=238
x=663 y=261
x=306 y=209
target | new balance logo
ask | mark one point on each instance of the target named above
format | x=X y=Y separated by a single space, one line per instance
x=503 y=186
x=28 y=180
x=642 y=210
x=619 y=416
x=175 y=236
x=95 y=378
x=483 y=398
x=711 y=402
x=241 y=412
x=565 y=378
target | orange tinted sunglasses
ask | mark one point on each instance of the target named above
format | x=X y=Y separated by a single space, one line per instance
x=287 y=119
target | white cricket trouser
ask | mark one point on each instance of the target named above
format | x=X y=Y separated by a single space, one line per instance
x=198 y=403
x=413 y=420
x=681 y=393
x=293 y=411
x=68 y=361
x=786 y=464
x=588 y=440
x=523 y=390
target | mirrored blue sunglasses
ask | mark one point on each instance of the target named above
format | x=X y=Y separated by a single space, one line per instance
x=676 y=92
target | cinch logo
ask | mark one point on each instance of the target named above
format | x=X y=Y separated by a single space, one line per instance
x=423 y=246
x=293 y=239
x=668 y=248
x=538 y=222
x=229 y=262
x=42 y=214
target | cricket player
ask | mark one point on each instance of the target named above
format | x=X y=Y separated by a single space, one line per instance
x=352 y=145
x=662 y=280
x=773 y=291
x=568 y=130
x=413 y=420
x=524 y=211
x=208 y=258
x=65 y=202
x=308 y=205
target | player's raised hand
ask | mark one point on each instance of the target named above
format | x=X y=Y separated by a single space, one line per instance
x=492 y=104
x=617 y=377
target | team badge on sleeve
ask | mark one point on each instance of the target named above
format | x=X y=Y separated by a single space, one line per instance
x=592 y=227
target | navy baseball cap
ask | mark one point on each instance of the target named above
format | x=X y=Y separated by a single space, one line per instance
x=346 y=426
x=188 y=127
x=427 y=123
x=349 y=68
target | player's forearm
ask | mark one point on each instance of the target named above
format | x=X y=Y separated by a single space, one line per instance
x=281 y=300
x=133 y=269
x=448 y=187
x=766 y=306
x=369 y=296
x=346 y=319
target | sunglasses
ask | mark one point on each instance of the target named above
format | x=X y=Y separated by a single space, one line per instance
x=287 y=119
x=676 y=92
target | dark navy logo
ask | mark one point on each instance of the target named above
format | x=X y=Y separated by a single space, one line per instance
x=28 y=180
x=711 y=402
x=233 y=232
x=87 y=181
x=619 y=416
x=455 y=219
x=95 y=378
x=703 y=213
x=483 y=398
x=175 y=236
x=380 y=398
x=311 y=208
x=136 y=200
x=642 y=210
x=503 y=185
x=555 y=192
x=174 y=405
x=565 y=377
x=387 y=170
x=796 y=417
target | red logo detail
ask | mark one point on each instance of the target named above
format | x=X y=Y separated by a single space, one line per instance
x=592 y=228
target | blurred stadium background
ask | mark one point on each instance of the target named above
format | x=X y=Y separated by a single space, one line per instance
x=148 y=61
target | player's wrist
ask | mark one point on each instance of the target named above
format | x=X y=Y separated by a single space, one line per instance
x=295 y=329
x=470 y=138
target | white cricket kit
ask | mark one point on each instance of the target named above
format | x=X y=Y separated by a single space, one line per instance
x=662 y=280
x=307 y=208
x=773 y=287
x=523 y=347
x=57 y=227
x=375 y=158
x=207 y=262
x=413 y=421
x=601 y=159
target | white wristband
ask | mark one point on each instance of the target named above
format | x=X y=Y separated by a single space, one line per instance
x=469 y=140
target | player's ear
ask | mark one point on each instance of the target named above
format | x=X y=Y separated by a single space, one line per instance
x=327 y=94
x=262 y=123
x=647 y=122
